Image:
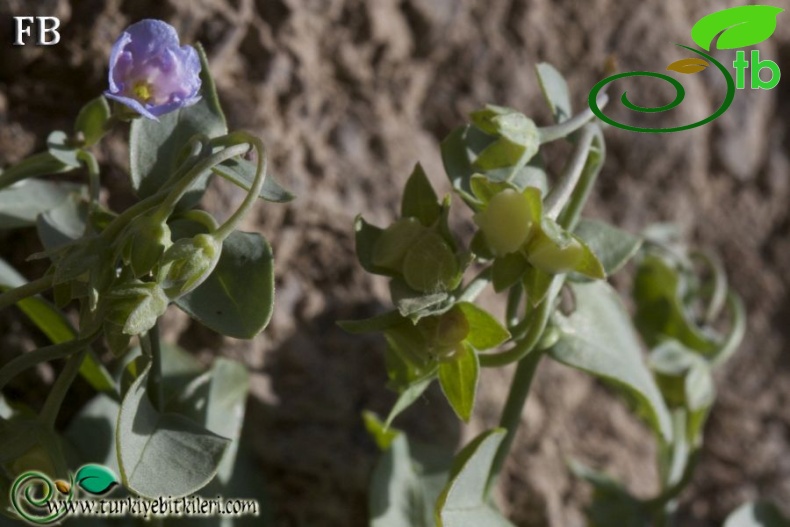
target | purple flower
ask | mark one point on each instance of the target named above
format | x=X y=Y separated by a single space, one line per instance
x=150 y=72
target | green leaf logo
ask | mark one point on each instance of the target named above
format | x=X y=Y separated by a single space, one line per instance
x=96 y=479
x=740 y=26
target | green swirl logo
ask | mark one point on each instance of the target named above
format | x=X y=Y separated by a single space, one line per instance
x=33 y=491
x=731 y=28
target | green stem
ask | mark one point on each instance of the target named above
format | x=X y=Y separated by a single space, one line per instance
x=252 y=196
x=565 y=128
x=151 y=347
x=51 y=408
x=476 y=286
x=513 y=303
x=27 y=360
x=35 y=287
x=569 y=217
x=511 y=414
x=537 y=321
x=561 y=193
x=182 y=185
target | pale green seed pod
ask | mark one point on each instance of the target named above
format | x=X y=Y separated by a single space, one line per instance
x=506 y=222
x=431 y=266
x=443 y=333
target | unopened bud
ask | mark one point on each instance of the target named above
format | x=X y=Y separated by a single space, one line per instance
x=146 y=241
x=136 y=306
x=553 y=250
x=430 y=266
x=444 y=332
x=188 y=263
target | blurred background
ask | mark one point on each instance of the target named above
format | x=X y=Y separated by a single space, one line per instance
x=348 y=95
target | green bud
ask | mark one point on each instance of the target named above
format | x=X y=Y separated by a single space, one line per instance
x=554 y=250
x=135 y=306
x=396 y=240
x=549 y=338
x=430 y=266
x=145 y=242
x=188 y=263
x=443 y=333
x=506 y=222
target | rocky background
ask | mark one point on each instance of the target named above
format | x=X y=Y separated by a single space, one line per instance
x=348 y=95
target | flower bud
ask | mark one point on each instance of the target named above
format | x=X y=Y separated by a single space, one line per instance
x=188 y=263
x=135 y=306
x=396 y=240
x=506 y=222
x=146 y=240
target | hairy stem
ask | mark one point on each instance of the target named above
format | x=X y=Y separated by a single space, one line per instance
x=27 y=360
x=565 y=128
x=561 y=193
x=152 y=347
x=252 y=196
x=51 y=408
x=569 y=217
x=12 y=296
x=511 y=414
x=476 y=286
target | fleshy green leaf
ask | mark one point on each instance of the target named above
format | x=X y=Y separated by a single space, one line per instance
x=742 y=26
x=555 y=90
x=96 y=479
x=463 y=502
x=163 y=454
x=41 y=164
x=92 y=119
x=419 y=199
x=612 y=504
x=155 y=147
x=237 y=299
x=403 y=490
x=760 y=514
x=612 y=246
x=62 y=224
x=458 y=377
x=367 y=236
x=22 y=203
x=598 y=338
x=485 y=332
x=58 y=145
x=659 y=290
x=242 y=173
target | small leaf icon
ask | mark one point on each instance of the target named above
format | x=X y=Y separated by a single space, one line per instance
x=688 y=66
x=742 y=26
x=96 y=479
x=62 y=486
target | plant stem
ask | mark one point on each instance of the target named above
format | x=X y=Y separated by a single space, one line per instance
x=252 y=196
x=51 y=408
x=537 y=321
x=569 y=217
x=151 y=347
x=27 y=360
x=476 y=286
x=572 y=172
x=35 y=287
x=565 y=128
x=511 y=414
